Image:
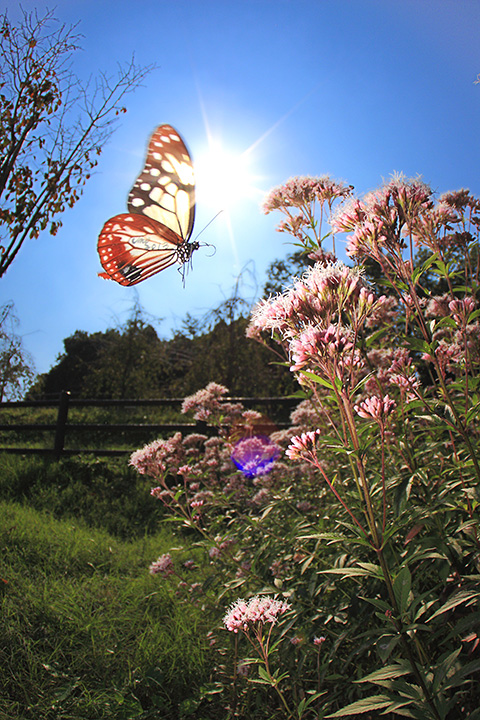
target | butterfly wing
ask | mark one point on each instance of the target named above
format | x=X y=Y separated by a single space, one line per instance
x=132 y=248
x=155 y=233
x=165 y=189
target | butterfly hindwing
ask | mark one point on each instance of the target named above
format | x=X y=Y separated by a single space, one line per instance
x=165 y=189
x=154 y=234
x=133 y=247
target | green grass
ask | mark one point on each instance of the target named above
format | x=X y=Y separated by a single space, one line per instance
x=86 y=631
x=103 y=493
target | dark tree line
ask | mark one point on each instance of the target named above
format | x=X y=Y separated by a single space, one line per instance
x=133 y=362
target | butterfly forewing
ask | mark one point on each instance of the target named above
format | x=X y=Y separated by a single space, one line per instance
x=165 y=189
x=155 y=233
x=132 y=248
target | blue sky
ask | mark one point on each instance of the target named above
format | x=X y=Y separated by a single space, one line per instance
x=358 y=89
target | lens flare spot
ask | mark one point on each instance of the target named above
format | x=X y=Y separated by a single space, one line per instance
x=255 y=455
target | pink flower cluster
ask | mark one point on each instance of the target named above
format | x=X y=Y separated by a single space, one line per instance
x=299 y=199
x=461 y=310
x=446 y=224
x=302 y=445
x=316 y=319
x=376 y=408
x=300 y=191
x=326 y=349
x=394 y=368
x=380 y=217
x=162 y=566
x=259 y=610
x=220 y=547
x=154 y=459
x=207 y=404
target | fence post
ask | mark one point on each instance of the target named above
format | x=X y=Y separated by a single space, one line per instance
x=61 y=423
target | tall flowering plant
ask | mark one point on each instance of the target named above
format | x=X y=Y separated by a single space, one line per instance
x=394 y=378
x=362 y=517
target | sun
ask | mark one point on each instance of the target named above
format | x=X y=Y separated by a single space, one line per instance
x=223 y=178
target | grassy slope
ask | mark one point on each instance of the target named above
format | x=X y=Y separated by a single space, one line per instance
x=87 y=632
x=104 y=493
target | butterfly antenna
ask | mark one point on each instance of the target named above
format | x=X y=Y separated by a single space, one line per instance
x=203 y=229
x=209 y=223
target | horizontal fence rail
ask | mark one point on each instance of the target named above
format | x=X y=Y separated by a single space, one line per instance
x=61 y=428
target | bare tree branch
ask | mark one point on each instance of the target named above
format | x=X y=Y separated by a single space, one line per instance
x=52 y=126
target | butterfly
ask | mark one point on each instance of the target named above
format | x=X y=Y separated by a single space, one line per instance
x=155 y=232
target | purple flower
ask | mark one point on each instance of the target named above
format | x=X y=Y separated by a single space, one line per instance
x=255 y=455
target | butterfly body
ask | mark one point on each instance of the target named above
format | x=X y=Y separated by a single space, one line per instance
x=155 y=233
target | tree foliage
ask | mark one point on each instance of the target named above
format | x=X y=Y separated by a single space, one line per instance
x=133 y=362
x=52 y=125
x=16 y=365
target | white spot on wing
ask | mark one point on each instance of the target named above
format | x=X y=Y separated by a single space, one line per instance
x=183 y=169
x=156 y=194
x=183 y=210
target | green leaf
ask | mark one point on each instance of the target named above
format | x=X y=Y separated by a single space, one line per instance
x=257 y=681
x=317 y=379
x=333 y=537
x=418 y=272
x=475 y=715
x=443 y=668
x=389 y=672
x=368 y=570
x=369 y=342
x=460 y=676
x=420 y=345
x=402 y=586
x=186 y=707
x=298 y=393
x=375 y=702
x=306 y=701
x=385 y=645
x=376 y=602
x=473 y=315
x=400 y=709
x=460 y=598
x=472 y=413
x=402 y=688
x=264 y=675
x=373 y=570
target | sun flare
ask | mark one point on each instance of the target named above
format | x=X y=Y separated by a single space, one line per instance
x=223 y=178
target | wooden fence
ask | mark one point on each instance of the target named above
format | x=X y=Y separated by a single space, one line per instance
x=62 y=427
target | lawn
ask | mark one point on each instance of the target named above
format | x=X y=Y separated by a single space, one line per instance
x=87 y=632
